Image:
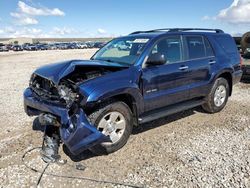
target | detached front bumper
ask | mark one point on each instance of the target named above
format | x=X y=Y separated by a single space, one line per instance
x=76 y=132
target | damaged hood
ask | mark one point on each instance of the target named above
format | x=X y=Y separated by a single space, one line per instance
x=55 y=72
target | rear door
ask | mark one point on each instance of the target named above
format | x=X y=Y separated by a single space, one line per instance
x=200 y=60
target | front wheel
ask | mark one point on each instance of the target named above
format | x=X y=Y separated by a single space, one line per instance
x=218 y=96
x=113 y=119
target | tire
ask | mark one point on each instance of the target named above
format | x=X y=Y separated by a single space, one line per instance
x=99 y=119
x=213 y=105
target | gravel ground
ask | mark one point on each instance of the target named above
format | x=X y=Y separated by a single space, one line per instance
x=188 y=149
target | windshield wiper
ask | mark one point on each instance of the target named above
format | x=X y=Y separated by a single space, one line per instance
x=112 y=61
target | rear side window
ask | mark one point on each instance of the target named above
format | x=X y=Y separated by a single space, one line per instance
x=196 y=48
x=227 y=43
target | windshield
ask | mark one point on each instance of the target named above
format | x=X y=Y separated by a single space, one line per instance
x=122 y=50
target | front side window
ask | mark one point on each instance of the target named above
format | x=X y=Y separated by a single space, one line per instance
x=169 y=47
x=122 y=50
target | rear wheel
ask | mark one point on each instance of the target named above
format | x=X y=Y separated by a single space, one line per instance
x=218 y=96
x=113 y=120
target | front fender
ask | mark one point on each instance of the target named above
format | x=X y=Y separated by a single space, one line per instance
x=121 y=82
x=102 y=94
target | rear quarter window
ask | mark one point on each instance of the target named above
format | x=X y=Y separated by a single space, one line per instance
x=227 y=43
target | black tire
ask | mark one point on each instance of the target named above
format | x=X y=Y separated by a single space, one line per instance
x=95 y=118
x=210 y=106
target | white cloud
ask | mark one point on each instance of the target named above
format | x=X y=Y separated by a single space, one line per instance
x=41 y=11
x=26 y=14
x=27 y=32
x=9 y=29
x=237 y=13
x=63 y=31
x=101 y=31
x=28 y=21
x=11 y=32
x=205 y=18
x=22 y=19
x=16 y=15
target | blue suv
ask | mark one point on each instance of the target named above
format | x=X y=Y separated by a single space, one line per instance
x=94 y=104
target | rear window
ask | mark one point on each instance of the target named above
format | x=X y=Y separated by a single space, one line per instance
x=227 y=43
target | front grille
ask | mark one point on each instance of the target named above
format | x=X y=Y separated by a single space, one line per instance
x=45 y=89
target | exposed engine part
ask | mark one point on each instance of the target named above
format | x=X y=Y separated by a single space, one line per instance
x=50 y=146
x=48 y=119
x=82 y=74
x=67 y=94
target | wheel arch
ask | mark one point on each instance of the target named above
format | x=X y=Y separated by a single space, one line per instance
x=228 y=76
x=131 y=98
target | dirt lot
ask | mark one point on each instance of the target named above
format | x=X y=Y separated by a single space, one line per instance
x=188 y=149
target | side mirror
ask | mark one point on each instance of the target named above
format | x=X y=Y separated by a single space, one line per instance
x=156 y=59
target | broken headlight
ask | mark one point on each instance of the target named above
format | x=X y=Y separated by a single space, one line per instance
x=67 y=94
x=32 y=79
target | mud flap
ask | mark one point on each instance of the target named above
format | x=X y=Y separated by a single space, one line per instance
x=80 y=134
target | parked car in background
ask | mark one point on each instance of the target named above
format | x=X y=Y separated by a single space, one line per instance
x=245 y=65
x=42 y=47
x=90 y=44
x=52 y=47
x=71 y=46
x=17 y=48
x=246 y=53
x=3 y=48
x=30 y=47
x=62 y=46
x=9 y=46
x=99 y=44
x=82 y=45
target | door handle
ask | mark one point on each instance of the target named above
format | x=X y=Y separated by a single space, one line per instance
x=183 y=67
x=211 y=62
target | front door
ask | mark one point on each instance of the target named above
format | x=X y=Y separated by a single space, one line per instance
x=166 y=84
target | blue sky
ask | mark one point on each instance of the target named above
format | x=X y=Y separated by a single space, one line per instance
x=104 y=18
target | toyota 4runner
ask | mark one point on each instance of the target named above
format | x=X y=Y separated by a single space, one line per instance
x=94 y=104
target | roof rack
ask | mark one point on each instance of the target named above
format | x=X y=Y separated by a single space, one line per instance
x=178 y=30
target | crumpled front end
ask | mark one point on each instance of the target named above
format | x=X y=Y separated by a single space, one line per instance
x=75 y=130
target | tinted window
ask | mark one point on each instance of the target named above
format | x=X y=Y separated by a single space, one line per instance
x=196 y=47
x=170 y=47
x=209 y=50
x=227 y=43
